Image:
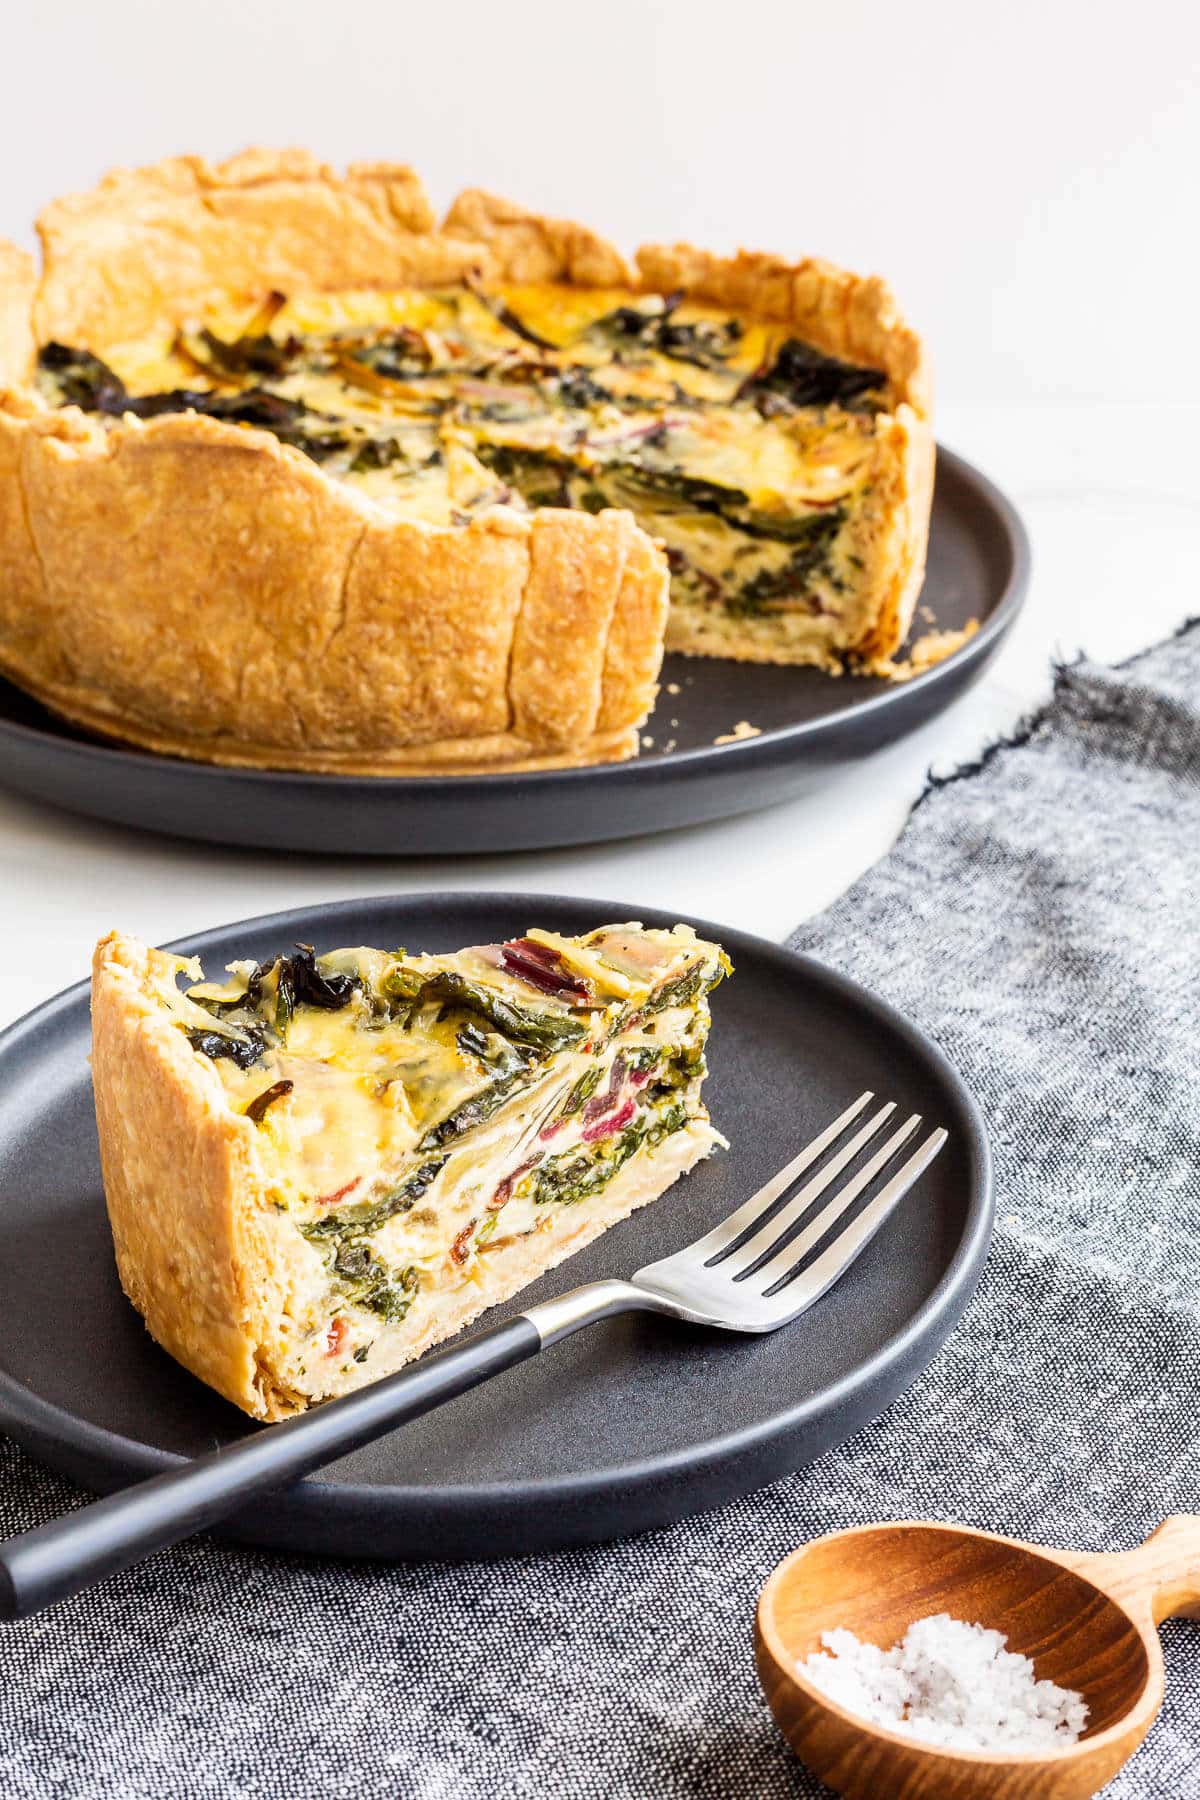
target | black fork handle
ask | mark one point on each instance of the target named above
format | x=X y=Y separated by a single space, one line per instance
x=54 y=1561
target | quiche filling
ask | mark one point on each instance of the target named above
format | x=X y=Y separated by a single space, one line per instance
x=749 y=453
x=420 y=1120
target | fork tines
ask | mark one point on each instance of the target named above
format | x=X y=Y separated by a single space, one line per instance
x=768 y=1242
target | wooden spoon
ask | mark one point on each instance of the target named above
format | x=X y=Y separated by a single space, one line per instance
x=1088 y=1622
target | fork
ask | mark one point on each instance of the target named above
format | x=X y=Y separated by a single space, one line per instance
x=759 y=1269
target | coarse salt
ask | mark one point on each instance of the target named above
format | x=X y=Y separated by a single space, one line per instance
x=947 y=1682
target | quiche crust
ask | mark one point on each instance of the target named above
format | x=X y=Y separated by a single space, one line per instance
x=183 y=1183
x=18 y=285
x=217 y=1270
x=183 y=584
x=196 y=587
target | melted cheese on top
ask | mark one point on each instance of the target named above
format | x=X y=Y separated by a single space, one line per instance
x=368 y=1090
x=782 y=464
x=367 y=1083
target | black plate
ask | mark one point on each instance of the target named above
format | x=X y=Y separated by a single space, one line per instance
x=978 y=568
x=634 y=1422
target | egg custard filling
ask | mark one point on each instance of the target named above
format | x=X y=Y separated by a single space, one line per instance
x=414 y=1137
x=752 y=456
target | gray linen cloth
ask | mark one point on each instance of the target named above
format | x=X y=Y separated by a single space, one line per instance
x=1039 y=917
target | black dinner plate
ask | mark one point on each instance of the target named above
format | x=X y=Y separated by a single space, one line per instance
x=632 y=1423
x=978 y=568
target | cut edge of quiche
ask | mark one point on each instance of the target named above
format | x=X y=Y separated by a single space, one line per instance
x=258 y=605
x=319 y=1167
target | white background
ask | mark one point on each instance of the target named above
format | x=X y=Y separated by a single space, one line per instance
x=1025 y=173
x=1025 y=176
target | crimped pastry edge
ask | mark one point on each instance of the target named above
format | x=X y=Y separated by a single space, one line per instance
x=256 y=589
x=183 y=1184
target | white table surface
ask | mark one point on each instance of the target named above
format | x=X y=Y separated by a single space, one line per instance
x=1111 y=497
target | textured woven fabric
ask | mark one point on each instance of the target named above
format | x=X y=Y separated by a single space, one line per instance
x=1038 y=917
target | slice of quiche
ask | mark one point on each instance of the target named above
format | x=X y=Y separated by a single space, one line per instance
x=323 y=1165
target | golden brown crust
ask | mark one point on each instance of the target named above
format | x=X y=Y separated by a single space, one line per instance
x=18 y=284
x=249 y=610
x=196 y=588
x=26 y=642
x=900 y=502
x=526 y=246
x=502 y=753
x=150 y=246
x=557 y=668
x=633 y=653
x=180 y=1172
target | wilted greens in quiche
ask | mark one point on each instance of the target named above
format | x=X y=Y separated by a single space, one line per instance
x=384 y=1144
x=748 y=453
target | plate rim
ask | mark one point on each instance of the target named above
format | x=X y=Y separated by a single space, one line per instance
x=943 y=1306
x=767 y=747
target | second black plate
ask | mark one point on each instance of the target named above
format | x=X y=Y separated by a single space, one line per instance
x=807 y=723
x=636 y=1421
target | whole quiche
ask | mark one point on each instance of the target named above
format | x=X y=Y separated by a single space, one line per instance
x=294 y=476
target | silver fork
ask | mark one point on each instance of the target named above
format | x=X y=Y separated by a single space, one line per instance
x=760 y=1268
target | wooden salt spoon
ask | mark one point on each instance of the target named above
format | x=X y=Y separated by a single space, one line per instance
x=1088 y=1622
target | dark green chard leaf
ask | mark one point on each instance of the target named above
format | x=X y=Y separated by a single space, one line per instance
x=244 y=1051
x=366 y=1281
x=793 y=581
x=400 y=355
x=474 y=1042
x=298 y=981
x=565 y=1180
x=583 y=1090
x=391 y=1299
x=501 y=311
x=285 y=1002
x=313 y=986
x=813 y=531
x=352 y=1261
x=673 y=488
x=292 y=422
x=801 y=376
x=577 y=387
x=377 y=453
x=705 y=343
x=254 y=355
x=83 y=380
x=368 y=1215
x=690 y=491
x=510 y=1065
x=540 y=476
x=677 y=1071
x=679 y=992
x=545 y=1030
x=474 y=1111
